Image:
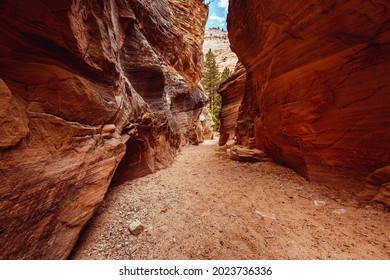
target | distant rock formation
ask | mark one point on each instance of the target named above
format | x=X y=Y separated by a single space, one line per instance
x=218 y=41
x=316 y=95
x=86 y=86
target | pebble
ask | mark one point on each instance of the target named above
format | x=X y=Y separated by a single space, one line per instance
x=136 y=227
x=340 y=211
x=271 y=216
x=319 y=203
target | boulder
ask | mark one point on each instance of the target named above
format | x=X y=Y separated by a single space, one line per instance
x=378 y=186
x=244 y=154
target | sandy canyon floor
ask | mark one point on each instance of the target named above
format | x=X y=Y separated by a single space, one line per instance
x=207 y=206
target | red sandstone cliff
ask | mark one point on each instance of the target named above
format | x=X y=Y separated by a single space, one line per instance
x=232 y=92
x=84 y=86
x=317 y=94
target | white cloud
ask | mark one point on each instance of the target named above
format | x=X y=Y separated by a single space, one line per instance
x=224 y=4
x=217 y=18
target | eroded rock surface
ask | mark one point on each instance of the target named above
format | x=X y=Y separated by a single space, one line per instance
x=85 y=84
x=378 y=186
x=244 y=154
x=317 y=84
x=231 y=91
x=207 y=125
x=218 y=42
x=13 y=119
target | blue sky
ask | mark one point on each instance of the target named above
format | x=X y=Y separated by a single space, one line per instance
x=217 y=14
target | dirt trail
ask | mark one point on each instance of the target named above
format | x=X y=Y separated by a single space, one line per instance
x=208 y=207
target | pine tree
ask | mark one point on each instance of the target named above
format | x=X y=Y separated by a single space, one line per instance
x=211 y=73
x=225 y=74
x=211 y=81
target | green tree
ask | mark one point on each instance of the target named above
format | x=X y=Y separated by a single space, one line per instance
x=225 y=74
x=211 y=81
x=210 y=78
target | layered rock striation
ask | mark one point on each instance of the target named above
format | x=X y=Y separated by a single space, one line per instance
x=86 y=86
x=218 y=42
x=316 y=95
x=231 y=92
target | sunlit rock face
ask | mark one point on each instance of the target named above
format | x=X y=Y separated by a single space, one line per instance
x=86 y=86
x=218 y=42
x=232 y=92
x=316 y=96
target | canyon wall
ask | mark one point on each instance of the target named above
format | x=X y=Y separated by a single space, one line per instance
x=317 y=95
x=231 y=92
x=86 y=86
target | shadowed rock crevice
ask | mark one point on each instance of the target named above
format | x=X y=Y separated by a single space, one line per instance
x=135 y=162
x=149 y=82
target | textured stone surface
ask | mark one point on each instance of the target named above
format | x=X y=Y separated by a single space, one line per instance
x=83 y=85
x=378 y=185
x=207 y=123
x=231 y=91
x=245 y=154
x=218 y=42
x=136 y=227
x=13 y=119
x=317 y=84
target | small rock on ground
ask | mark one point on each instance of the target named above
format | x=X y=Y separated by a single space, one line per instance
x=136 y=227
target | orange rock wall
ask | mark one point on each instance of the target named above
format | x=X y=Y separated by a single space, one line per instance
x=231 y=92
x=84 y=86
x=317 y=94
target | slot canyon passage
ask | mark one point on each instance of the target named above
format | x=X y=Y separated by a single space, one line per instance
x=104 y=123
